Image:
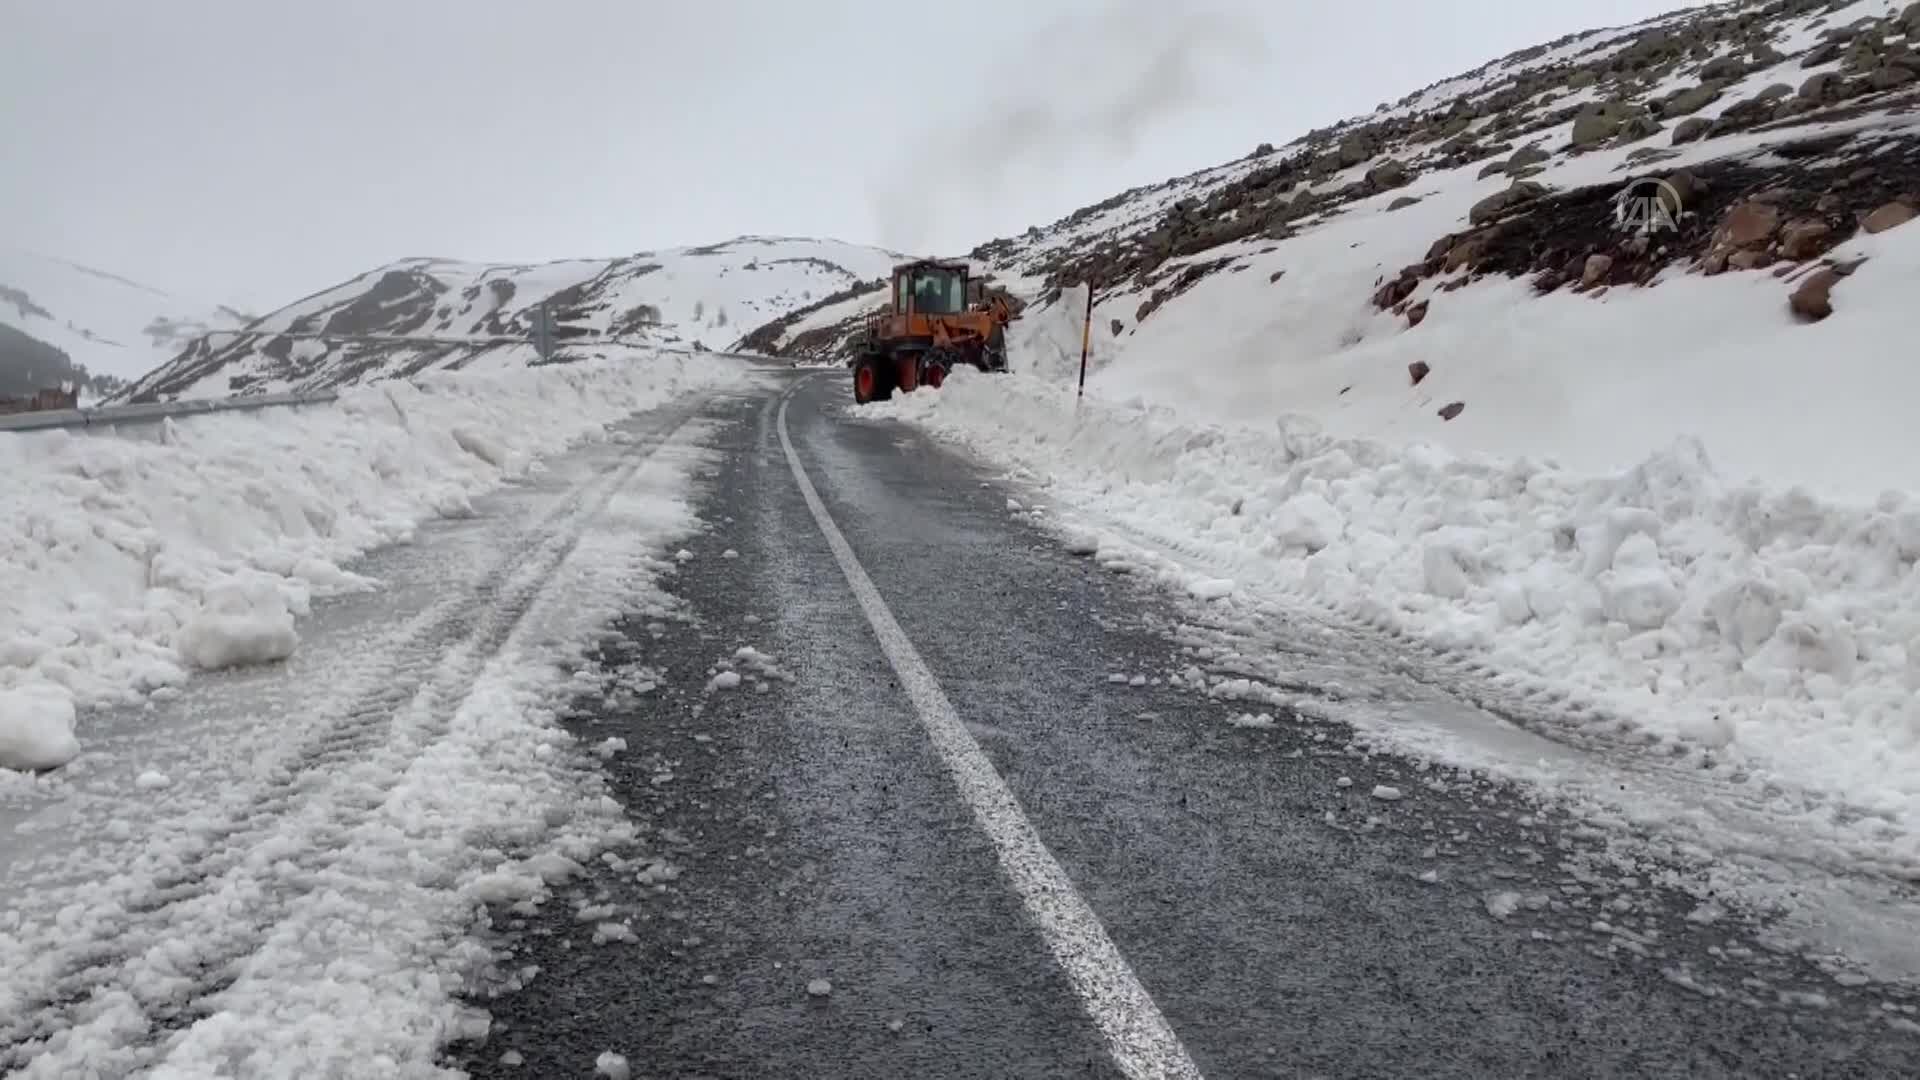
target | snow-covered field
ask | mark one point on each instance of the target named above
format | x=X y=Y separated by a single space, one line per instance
x=1582 y=539
x=127 y=563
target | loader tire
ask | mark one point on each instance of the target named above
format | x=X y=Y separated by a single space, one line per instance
x=872 y=379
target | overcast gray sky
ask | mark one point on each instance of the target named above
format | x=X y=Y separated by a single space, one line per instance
x=251 y=151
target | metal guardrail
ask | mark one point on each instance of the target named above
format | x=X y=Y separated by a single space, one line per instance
x=154 y=412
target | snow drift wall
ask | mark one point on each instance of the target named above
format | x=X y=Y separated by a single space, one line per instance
x=1045 y=340
x=126 y=564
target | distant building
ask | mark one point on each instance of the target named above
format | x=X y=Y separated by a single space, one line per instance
x=41 y=401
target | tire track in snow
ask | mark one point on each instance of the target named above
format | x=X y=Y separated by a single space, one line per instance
x=241 y=877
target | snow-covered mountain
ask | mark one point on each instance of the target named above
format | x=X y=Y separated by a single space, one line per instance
x=63 y=322
x=422 y=314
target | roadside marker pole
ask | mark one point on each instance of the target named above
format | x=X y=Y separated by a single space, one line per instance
x=1086 y=343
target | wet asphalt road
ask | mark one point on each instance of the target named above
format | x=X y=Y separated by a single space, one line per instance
x=1286 y=921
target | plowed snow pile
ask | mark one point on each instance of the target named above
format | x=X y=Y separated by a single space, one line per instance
x=125 y=562
x=1769 y=627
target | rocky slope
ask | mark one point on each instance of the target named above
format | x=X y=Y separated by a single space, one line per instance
x=421 y=314
x=1803 y=106
x=63 y=323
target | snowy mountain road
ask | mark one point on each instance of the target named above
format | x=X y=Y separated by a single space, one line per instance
x=919 y=795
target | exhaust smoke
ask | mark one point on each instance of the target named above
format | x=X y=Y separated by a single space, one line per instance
x=1082 y=92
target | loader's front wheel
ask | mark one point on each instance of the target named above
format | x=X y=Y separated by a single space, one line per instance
x=872 y=381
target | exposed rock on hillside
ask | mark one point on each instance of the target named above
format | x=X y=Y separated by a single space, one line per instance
x=1732 y=214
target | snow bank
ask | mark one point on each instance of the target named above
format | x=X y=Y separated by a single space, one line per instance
x=36 y=727
x=1772 y=627
x=127 y=562
x=1046 y=341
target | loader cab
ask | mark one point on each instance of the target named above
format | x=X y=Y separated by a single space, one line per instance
x=930 y=289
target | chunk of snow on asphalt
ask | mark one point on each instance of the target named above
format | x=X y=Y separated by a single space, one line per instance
x=1344 y=782
x=151 y=780
x=612 y=1066
x=36 y=727
x=729 y=554
x=613 y=932
x=239 y=623
x=608 y=748
x=1500 y=905
x=759 y=663
x=555 y=868
x=1210 y=588
x=658 y=873
x=504 y=886
x=1081 y=542
x=1249 y=720
x=513 y=1059
x=1387 y=794
x=819 y=988
x=1013 y=504
x=725 y=680
x=1137 y=681
x=1117 y=677
x=683 y=555
x=1429 y=877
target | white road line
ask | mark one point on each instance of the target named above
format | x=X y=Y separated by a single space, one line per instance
x=1139 y=1038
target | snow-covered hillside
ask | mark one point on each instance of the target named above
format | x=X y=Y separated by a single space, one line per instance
x=110 y=326
x=1427 y=373
x=460 y=315
x=1309 y=278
